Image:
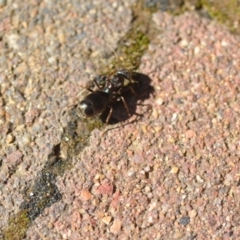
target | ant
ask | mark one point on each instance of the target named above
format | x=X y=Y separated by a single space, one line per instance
x=104 y=92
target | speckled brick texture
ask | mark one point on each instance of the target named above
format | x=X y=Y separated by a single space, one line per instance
x=172 y=173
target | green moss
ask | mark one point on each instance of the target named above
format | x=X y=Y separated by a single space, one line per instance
x=129 y=52
x=132 y=53
x=225 y=11
x=214 y=11
x=18 y=226
x=93 y=124
x=133 y=45
x=76 y=135
x=42 y=194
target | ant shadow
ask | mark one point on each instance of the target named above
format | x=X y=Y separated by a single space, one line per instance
x=143 y=90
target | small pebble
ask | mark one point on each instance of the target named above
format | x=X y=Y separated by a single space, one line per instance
x=196 y=50
x=190 y=134
x=26 y=139
x=160 y=101
x=116 y=227
x=52 y=60
x=85 y=195
x=107 y=219
x=184 y=221
x=199 y=179
x=13 y=41
x=10 y=138
x=174 y=170
x=193 y=213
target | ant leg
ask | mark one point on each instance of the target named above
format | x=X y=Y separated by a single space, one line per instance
x=125 y=105
x=109 y=115
x=107 y=120
x=96 y=83
x=132 y=90
x=90 y=90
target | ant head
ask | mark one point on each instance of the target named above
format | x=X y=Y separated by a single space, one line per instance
x=100 y=81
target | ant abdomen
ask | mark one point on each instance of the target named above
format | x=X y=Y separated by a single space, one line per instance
x=94 y=103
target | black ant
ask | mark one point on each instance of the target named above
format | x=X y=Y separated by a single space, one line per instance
x=105 y=91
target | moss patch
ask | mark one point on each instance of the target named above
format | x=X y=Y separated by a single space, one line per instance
x=133 y=45
x=225 y=11
x=18 y=226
